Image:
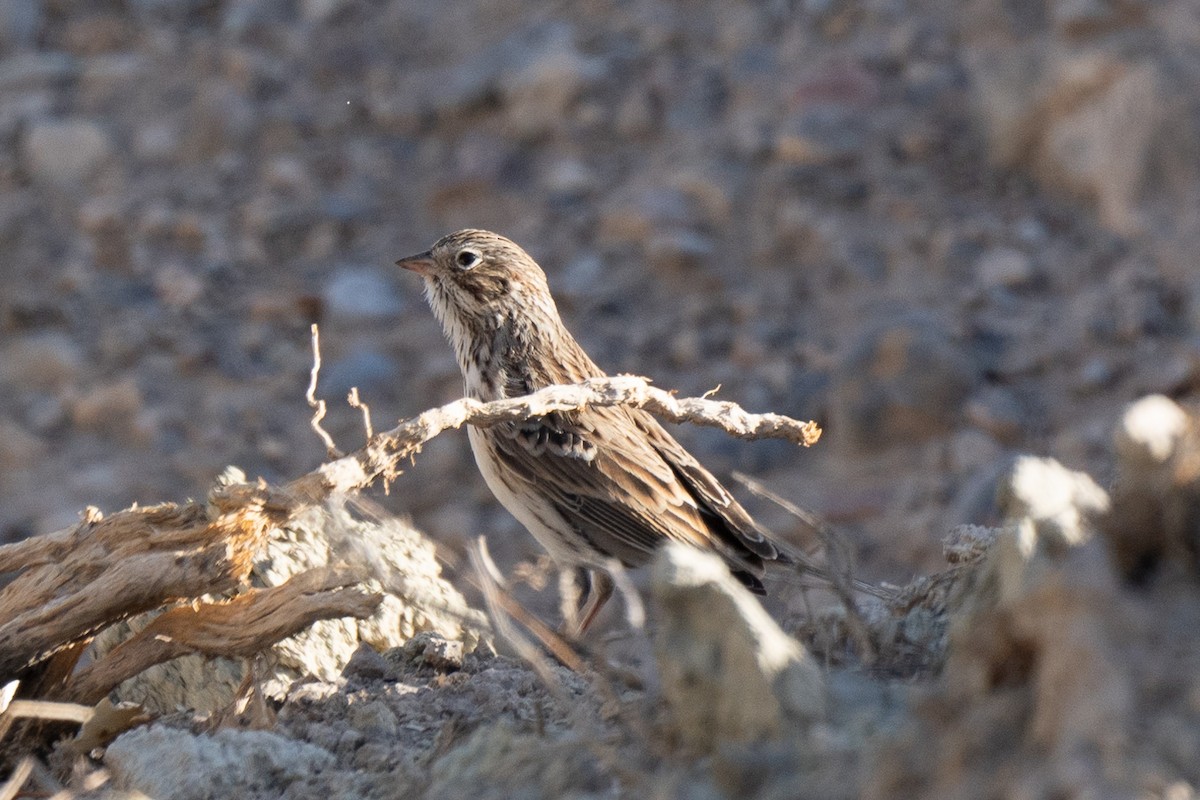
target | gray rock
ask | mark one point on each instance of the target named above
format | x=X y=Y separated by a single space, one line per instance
x=40 y=361
x=1004 y=267
x=369 y=369
x=431 y=649
x=678 y=251
x=497 y=763
x=361 y=293
x=20 y=22
x=820 y=136
x=65 y=152
x=164 y=762
x=729 y=673
x=997 y=411
x=39 y=70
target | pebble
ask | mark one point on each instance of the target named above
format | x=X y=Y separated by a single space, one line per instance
x=41 y=361
x=1004 y=267
x=678 y=251
x=370 y=370
x=999 y=413
x=65 y=152
x=360 y=293
x=111 y=407
x=20 y=22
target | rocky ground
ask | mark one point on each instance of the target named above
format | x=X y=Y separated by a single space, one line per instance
x=951 y=232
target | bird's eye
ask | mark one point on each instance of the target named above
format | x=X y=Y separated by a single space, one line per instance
x=467 y=259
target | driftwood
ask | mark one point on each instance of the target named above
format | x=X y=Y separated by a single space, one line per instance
x=74 y=583
x=235 y=628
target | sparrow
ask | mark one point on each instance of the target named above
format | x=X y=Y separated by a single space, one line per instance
x=590 y=485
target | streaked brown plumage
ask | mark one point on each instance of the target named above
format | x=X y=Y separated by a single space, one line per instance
x=589 y=485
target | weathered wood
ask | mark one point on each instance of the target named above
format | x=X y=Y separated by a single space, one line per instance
x=108 y=569
x=242 y=626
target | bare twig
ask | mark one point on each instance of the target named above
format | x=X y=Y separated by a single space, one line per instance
x=502 y=606
x=313 y=402
x=355 y=402
x=839 y=572
x=384 y=453
x=15 y=781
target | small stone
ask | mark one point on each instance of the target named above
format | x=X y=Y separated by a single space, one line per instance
x=65 y=152
x=678 y=251
x=369 y=664
x=41 y=361
x=972 y=449
x=431 y=649
x=495 y=762
x=178 y=287
x=904 y=381
x=583 y=275
x=1004 y=267
x=373 y=718
x=164 y=762
x=639 y=114
x=110 y=407
x=820 y=136
x=570 y=177
x=1095 y=373
x=360 y=293
x=156 y=143
x=20 y=22
x=18 y=447
x=36 y=70
x=997 y=411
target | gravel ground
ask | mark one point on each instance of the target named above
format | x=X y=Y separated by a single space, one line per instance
x=952 y=233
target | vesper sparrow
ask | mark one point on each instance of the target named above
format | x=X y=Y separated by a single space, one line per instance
x=589 y=485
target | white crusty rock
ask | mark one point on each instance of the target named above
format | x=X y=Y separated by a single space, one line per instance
x=1045 y=498
x=729 y=673
x=1150 y=429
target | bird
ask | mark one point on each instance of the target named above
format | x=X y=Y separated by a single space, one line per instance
x=590 y=485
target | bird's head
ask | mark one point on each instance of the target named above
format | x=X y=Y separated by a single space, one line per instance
x=474 y=279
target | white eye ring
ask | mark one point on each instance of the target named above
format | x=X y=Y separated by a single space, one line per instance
x=466 y=259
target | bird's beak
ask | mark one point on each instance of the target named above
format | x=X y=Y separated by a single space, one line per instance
x=421 y=263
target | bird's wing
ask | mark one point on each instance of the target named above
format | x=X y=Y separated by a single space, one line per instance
x=625 y=485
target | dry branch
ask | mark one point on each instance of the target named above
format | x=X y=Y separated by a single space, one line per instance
x=384 y=452
x=242 y=626
x=76 y=582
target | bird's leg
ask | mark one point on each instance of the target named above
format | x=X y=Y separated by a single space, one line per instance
x=574 y=584
x=600 y=588
x=584 y=593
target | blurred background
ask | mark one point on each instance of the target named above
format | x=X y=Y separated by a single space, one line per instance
x=949 y=231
